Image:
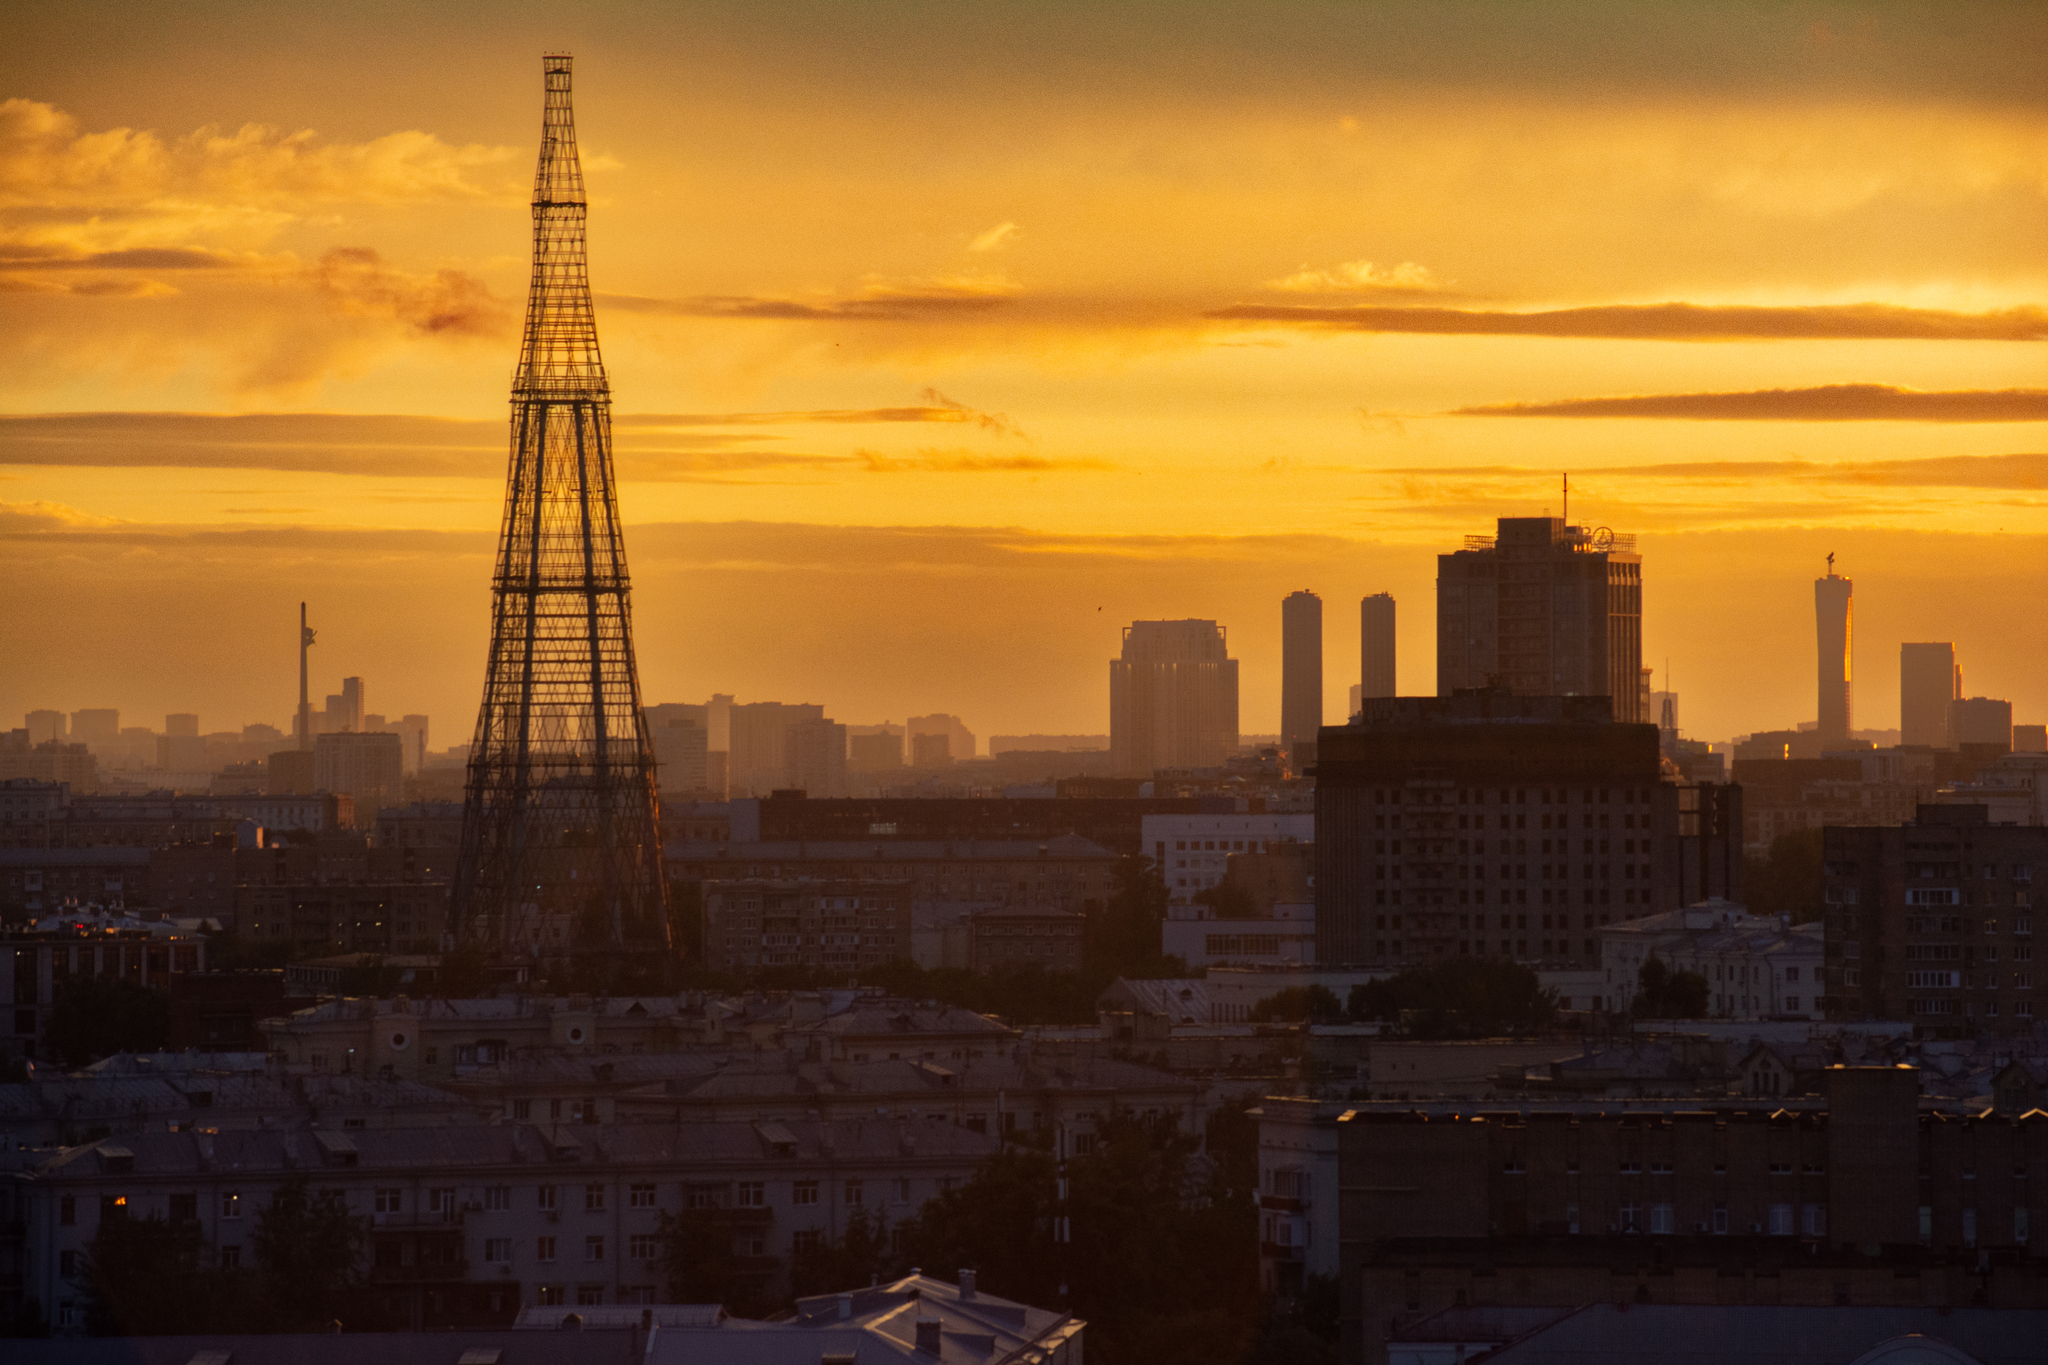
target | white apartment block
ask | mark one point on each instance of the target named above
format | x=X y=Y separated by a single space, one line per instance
x=476 y=1222
x=1192 y=852
x=1756 y=966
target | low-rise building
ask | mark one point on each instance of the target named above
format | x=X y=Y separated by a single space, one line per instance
x=1756 y=966
x=1298 y=1197
x=470 y=1223
x=837 y=924
x=1001 y=939
x=1192 y=851
x=1286 y=938
x=1064 y=873
x=35 y=961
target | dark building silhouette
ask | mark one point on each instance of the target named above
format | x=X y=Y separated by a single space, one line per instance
x=1117 y=823
x=1933 y=921
x=1496 y=824
x=1172 y=698
x=560 y=850
x=1543 y=609
x=1376 y=646
x=1301 y=668
x=1983 y=721
x=1858 y=1198
x=1832 y=603
x=1930 y=680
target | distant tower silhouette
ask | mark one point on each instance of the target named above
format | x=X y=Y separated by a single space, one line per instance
x=561 y=854
x=1301 y=669
x=1376 y=646
x=1833 y=607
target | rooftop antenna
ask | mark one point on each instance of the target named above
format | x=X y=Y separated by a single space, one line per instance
x=1567 y=499
x=305 y=708
x=1831 y=563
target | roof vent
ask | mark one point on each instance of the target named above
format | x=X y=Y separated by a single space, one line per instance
x=845 y=1307
x=928 y=1336
x=966 y=1284
x=572 y=1322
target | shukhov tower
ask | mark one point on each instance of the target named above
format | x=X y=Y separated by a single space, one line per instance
x=560 y=850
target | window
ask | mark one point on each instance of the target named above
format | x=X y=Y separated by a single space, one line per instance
x=1781 y=1220
x=902 y=1191
x=442 y=1202
x=497 y=1198
x=643 y=1246
x=544 y=1250
x=805 y=1192
x=1813 y=1220
x=642 y=1197
x=67 y=1210
x=1969 y=1227
x=497 y=1250
x=230 y=1204
x=593 y=1199
x=522 y=1109
x=593 y=1247
x=753 y=1194
x=67 y=1264
x=1663 y=1219
x=805 y=1241
x=589 y=1295
x=547 y=1198
x=230 y=1258
x=1720 y=1219
x=550 y=1295
x=854 y=1192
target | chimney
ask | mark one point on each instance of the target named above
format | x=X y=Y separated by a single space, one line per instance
x=966 y=1284
x=845 y=1307
x=928 y=1336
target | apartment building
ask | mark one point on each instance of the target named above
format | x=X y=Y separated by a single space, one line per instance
x=1864 y=1199
x=1024 y=937
x=1297 y=1191
x=834 y=924
x=1065 y=872
x=1933 y=921
x=1192 y=852
x=468 y=1224
x=1756 y=966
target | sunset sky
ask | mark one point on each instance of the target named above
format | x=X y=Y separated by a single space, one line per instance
x=947 y=339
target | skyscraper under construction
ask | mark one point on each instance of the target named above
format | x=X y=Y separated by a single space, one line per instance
x=561 y=856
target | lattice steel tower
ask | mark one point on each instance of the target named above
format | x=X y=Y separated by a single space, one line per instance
x=561 y=855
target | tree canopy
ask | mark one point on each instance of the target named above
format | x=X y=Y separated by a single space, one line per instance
x=1665 y=994
x=1458 y=997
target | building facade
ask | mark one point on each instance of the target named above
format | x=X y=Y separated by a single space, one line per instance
x=1833 y=603
x=1933 y=921
x=1064 y=873
x=835 y=924
x=1755 y=966
x=1172 y=698
x=1192 y=852
x=1488 y=823
x=1930 y=680
x=1543 y=609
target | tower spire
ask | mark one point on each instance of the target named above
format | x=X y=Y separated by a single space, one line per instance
x=561 y=854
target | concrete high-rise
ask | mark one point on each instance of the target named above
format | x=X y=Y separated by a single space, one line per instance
x=1301 y=668
x=1172 y=698
x=1833 y=598
x=1543 y=609
x=1376 y=646
x=1930 y=680
x=47 y=727
x=1981 y=720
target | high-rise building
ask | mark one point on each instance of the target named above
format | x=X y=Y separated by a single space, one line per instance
x=817 y=757
x=1376 y=647
x=1490 y=823
x=561 y=843
x=761 y=757
x=370 y=768
x=1832 y=602
x=1301 y=669
x=1543 y=609
x=1981 y=720
x=349 y=717
x=880 y=750
x=681 y=749
x=46 y=727
x=95 y=726
x=1172 y=698
x=1930 y=680
x=934 y=749
x=181 y=724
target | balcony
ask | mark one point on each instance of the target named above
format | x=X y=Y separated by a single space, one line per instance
x=1273 y=1251
x=1281 y=1203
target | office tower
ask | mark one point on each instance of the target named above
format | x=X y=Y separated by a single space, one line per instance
x=1981 y=720
x=45 y=727
x=1543 y=609
x=95 y=726
x=1833 y=600
x=938 y=723
x=1433 y=817
x=682 y=749
x=1172 y=698
x=560 y=830
x=931 y=750
x=816 y=750
x=1376 y=647
x=367 y=767
x=1930 y=680
x=413 y=730
x=1301 y=669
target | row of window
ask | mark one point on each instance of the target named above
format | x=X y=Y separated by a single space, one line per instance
x=1623 y=796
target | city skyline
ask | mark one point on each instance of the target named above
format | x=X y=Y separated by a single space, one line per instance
x=257 y=308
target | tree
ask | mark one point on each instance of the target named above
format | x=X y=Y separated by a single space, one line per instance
x=1786 y=881
x=96 y=1016
x=1122 y=937
x=1665 y=994
x=1299 y=1004
x=147 y=1278
x=1458 y=997
x=308 y=1248
x=858 y=1256
x=697 y=1261
x=1228 y=900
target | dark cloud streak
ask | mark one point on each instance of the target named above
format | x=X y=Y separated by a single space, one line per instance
x=1664 y=322
x=1825 y=403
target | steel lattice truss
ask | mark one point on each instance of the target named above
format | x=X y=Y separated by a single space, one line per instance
x=560 y=847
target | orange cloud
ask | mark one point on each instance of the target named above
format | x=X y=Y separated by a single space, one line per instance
x=1666 y=322
x=1825 y=403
